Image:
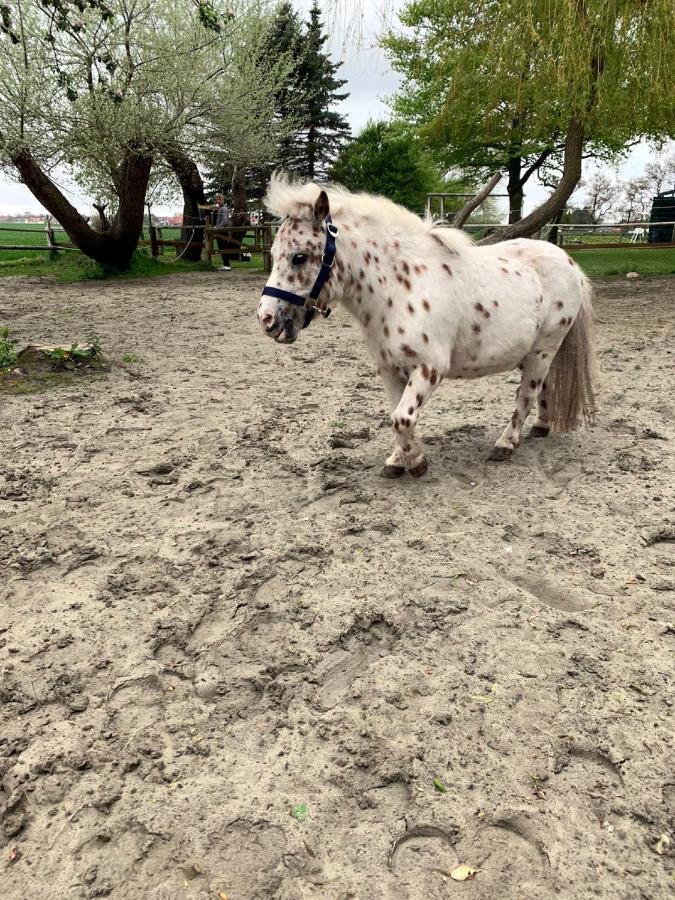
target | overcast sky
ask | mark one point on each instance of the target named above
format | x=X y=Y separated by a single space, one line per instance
x=353 y=26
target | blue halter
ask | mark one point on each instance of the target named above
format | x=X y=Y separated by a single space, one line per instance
x=324 y=272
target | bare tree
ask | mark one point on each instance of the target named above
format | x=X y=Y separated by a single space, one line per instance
x=601 y=195
x=636 y=199
x=660 y=174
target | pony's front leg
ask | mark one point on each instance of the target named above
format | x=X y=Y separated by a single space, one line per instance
x=408 y=453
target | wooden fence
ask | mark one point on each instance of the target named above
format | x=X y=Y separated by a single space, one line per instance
x=233 y=241
x=230 y=242
x=51 y=245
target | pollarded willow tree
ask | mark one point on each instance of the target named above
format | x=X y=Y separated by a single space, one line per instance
x=240 y=130
x=507 y=86
x=102 y=91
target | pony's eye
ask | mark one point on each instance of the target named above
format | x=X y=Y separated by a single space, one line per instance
x=299 y=259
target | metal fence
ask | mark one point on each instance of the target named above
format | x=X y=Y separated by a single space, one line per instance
x=589 y=237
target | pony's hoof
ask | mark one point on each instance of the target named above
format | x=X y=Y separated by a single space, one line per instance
x=500 y=453
x=420 y=469
x=392 y=471
x=539 y=431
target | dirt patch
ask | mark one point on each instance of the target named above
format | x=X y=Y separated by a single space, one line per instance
x=214 y=613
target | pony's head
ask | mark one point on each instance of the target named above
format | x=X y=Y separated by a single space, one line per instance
x=302 y=258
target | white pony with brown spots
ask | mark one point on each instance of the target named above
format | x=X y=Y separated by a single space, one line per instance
x=432 y=305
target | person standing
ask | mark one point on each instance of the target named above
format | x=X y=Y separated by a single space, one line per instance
x=221 y=219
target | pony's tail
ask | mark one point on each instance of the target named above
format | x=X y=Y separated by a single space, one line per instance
x=574 y=372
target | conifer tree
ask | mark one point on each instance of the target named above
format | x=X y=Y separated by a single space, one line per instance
x=306 y=98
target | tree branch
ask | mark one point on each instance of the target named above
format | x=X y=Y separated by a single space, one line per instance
x=543 y=214
x=476 y=200
x=543 y=156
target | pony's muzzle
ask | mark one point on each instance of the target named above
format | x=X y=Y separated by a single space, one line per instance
x=278 y=320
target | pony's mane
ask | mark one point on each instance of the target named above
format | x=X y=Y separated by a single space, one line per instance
x=288 y=198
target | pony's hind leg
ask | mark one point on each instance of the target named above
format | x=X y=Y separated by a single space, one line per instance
x=408 y=453
x=541 y=427
x=394 y=386
x=535 y=368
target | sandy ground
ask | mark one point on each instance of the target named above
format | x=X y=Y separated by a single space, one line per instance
x=234 y=659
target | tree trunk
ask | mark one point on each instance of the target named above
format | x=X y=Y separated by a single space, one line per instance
x=239 y=216
x=311 y=153
x=515 y=190
x=549 y=209
x=476 y=200
x=239 y=200
x=192 y=187
x=113 y=248
x=127 y=226
x=552 y=236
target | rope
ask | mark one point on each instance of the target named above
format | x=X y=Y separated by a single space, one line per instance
x=194 y=228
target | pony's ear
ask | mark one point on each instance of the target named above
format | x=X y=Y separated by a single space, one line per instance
x=321 y=207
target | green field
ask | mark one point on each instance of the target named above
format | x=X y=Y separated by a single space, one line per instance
x=33 y=235
x=619 y=261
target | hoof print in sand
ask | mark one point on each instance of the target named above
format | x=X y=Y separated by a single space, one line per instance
x=342 y=667
x=508 y=852
x=422 y=858
x=551 y=594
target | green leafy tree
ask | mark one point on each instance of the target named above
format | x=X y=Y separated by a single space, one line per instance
x=506 y=86
x=383 y=159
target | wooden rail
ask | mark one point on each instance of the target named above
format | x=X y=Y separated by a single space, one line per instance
x=223 y=242
x=52 y=246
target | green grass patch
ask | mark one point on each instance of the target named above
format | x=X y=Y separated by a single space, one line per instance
x=35 y=370
x=255 y=265
x=73 y=267
x=605 y=263
x=7 y=350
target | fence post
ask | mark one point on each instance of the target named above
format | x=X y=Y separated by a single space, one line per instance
x=267 y=243
x=153 y=242
x=51 y=241
x=209 y=244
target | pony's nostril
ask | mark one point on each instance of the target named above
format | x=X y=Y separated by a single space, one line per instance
x=267 y=320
